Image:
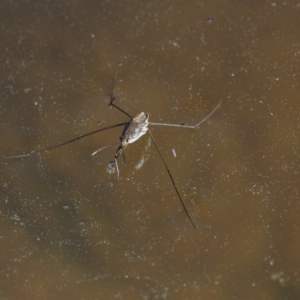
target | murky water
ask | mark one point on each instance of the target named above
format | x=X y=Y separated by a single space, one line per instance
x=70 y=230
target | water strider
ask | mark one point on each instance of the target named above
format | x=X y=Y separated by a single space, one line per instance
x=135 y=128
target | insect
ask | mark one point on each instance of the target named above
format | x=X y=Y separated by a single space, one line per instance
x=134 y=129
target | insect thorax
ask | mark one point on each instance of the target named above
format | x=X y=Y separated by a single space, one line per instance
x=134 y=129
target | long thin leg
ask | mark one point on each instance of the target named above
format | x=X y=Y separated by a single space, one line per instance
x=171 y=177
x=67 y=142
x=113 y=98
x=187 y=126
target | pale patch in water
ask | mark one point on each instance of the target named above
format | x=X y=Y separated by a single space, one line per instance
x=144 y=156
x=111 y=168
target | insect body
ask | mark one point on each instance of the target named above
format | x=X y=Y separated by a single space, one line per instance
x=133 y=130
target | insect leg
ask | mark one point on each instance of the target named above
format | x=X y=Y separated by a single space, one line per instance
x=172 y=179
x=113 y=98
x=67 y=142
x=187 y=126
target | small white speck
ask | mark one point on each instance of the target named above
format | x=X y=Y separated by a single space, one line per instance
x=175 y=44
x=174 y=152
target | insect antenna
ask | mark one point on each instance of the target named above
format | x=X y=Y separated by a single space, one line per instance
x=118 y=152
x=97 y=151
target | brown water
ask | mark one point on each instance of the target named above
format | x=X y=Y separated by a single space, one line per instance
x=70 y=230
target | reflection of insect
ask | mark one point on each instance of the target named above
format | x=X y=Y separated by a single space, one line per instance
x=133 y=130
